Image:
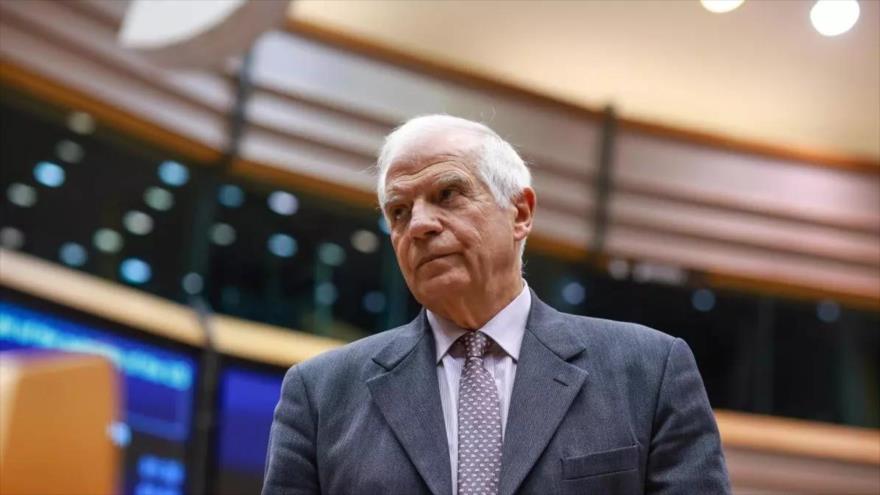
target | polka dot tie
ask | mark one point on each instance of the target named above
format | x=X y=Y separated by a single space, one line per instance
x=479 y=422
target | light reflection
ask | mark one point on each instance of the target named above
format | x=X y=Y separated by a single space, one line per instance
x=135 y=270
x=230 y=196
x=283 y=203
x=282 y=245
x=158 y=198
x=21 y=195
x=138 y=222
x=703 y=300
x=11 y=237
x=365 y=241
x=223 y=234
x=173 y=173
x=49 y=174
x=331 y=254
x=107 y=240
x=73 y=254
x=81 y=122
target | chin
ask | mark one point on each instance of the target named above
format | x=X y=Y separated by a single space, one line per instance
x=440 y=287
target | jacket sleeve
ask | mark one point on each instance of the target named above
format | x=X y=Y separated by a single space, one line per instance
x=685 y=453
x=291 y=467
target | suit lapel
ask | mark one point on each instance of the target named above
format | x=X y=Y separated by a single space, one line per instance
x=543 y=390
x=408 y=396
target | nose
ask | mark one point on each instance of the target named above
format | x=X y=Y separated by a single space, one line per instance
x=423 y=221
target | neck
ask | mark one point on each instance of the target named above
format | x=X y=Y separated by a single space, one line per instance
x=472 y=312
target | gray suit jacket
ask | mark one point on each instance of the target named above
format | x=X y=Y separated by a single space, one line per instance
x=597 y=407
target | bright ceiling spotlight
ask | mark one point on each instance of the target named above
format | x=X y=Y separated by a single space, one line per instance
x=834 y=17
x=721 y=6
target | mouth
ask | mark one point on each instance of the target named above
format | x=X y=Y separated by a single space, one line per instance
x=430 y=258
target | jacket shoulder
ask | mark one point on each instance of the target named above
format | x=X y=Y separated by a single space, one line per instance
x=349 y=360
x=619 y=341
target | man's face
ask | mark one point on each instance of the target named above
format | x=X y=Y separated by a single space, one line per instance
x=451 y=237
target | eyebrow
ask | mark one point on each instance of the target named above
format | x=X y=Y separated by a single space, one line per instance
x=447 y=179
x=452 y=179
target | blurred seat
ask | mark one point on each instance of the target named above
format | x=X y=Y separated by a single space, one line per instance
x=55 y=409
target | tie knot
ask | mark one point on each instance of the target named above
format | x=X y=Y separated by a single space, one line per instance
x=475 y=344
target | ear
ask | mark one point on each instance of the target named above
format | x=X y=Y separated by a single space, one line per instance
x=524 y=206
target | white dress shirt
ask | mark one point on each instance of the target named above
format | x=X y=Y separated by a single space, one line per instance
x=506 y=330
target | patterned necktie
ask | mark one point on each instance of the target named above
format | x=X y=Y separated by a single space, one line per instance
x=479 y=422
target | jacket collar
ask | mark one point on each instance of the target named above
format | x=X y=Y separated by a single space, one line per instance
x=544 y=322
x=407 y=394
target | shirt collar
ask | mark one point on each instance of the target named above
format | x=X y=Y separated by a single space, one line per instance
x=506 y=328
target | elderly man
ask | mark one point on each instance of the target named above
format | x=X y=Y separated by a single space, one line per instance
x=488 y=390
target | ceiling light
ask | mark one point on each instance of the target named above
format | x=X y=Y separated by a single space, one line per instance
x=73 y=254
x=721 y=6
x=223 y=234
x=230 y=196
x=173 y=173
x=283 y=203
x=21 y=195
x=326 y=293
x=135 y=270
x=158 y=198
x=11 y=238
x=365 y=241
x=703 y=300
x=574 y=293
x=282 y=245
x=193 y=283
x=69 y=151
x=618 y=269
x=828 y=311
x=138 y=222
x=81 y=122
x=107 y=240
x=49 y=174
x=832 y=18
x=331 y=254
x=374 y=302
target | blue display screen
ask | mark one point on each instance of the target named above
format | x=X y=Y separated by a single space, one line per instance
x=157 y=395
x=247 y=402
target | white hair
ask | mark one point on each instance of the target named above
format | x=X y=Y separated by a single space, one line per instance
x=498 y=164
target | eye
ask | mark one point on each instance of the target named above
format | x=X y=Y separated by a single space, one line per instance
x=397 y=212
x=448 y=193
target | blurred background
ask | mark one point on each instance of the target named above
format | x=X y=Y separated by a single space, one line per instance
x=187 y=193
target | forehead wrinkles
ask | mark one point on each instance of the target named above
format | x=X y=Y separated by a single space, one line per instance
x=451 y=145
x=426 y=177
x=457 y=149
